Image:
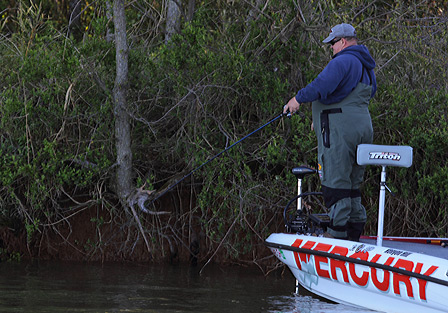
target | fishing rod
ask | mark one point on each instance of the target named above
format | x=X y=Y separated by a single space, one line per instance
x=288 y=114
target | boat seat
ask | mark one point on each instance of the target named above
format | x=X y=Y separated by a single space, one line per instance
x=301 y=171
x=369 y=154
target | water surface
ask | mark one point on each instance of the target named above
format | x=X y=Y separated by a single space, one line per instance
x=87 y=287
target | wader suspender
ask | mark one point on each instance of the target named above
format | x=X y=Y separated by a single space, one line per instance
x=324 y=121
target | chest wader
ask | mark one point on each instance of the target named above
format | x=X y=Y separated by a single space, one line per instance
x=340 y=128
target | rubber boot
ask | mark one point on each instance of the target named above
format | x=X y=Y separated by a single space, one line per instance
x=354 y=230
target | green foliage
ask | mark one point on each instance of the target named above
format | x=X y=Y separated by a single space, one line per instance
x=9 y=256
x=227 y=72
x=31 y=229
x=413 y=117
x=52 y=136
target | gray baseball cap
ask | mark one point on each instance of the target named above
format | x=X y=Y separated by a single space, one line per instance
x=341 y=31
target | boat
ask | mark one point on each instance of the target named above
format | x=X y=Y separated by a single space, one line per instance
x=380 y=273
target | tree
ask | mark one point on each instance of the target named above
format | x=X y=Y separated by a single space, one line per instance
x=122 y=120
x=122 y=123
x=172 y=19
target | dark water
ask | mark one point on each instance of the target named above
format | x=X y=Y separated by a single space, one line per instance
x=86 y=287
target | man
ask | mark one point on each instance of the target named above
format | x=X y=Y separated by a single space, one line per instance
x=340 y=97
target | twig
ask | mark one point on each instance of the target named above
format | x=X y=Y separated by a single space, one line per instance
x=220 y=244
x=140 y=227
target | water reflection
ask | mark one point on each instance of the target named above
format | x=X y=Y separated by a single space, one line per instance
x=309 y=304
x=87 y=287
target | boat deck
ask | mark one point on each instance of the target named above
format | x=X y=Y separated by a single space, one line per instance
x=428 y=249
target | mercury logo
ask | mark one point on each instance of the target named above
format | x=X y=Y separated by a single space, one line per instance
x=385 y=156
x=366 y=276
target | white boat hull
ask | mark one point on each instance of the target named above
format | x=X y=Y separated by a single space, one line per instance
x=365 y=275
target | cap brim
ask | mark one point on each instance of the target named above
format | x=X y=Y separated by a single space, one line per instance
x=328 y=39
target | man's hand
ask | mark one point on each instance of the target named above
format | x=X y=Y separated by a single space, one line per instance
x=292 y=106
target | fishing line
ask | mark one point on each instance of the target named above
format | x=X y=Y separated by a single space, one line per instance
x=217 y=155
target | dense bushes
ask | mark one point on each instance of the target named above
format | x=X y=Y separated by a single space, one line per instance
x=221 y=77
x=417 y=118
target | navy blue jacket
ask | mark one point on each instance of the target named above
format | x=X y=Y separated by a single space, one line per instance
x=342 y=74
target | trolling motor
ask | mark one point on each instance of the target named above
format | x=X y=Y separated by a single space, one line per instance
x=301 y=221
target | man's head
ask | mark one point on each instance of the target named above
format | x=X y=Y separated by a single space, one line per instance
x=341 y=37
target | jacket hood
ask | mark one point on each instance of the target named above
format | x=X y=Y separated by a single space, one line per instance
x=362 y=53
